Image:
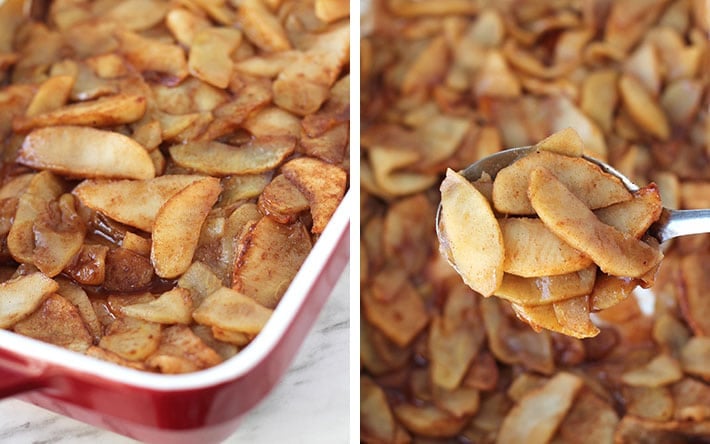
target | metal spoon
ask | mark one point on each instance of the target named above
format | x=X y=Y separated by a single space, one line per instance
x=671 y=224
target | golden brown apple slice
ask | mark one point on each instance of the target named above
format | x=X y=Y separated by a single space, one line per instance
x=569 y=218
x=43 y=188
x=210 y=55
x=547 y=289
x=470 y=234
x=58 y=322
x=233 y=311
x=172 y=307
x=21 y=296
x=584 y=179
x=269 y=255
x=532 y=250
x=566 y=141
x=79 y=151
x=573 y=314
x=132 y=202
x=219 y=159
x=538 y=414
x=106 y=111
x=634 y=216
x=177 y=226
x=323 y=185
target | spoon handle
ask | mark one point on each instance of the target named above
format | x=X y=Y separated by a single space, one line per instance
x=675 y=223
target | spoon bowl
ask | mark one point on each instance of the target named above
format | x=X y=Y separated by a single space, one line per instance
x=671 y=223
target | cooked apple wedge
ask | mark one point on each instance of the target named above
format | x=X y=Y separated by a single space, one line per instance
x=210 y=53
x=219 y=159
x=282 y=201
x=106 y=111
x=634 y=216
x=547 y=289
x=569 y=218
x=177 y=226
x=20 y=297
x=58 y=322
x=323 y=185
x=132 y=202
x=172 y=307
x=268 y=256
x=573 y=314
x=43 y=188
x=532 y=250
x=566 y=141
x=471 y=237
x=585 y=180
x=79 y=151
x=233 y=311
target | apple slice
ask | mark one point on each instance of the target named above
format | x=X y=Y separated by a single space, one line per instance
x=219 y=159
x=79 y=151
x=177 y=227
x=584 y=179
x=470 y=234
x=132 y=202
x=323 y=185
x=569 y=218
x=106 y=111
x=20 y=297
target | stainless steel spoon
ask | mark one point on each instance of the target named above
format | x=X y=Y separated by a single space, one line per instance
x=671 y=224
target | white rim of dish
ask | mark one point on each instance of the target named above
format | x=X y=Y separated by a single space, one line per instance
x=239 y=365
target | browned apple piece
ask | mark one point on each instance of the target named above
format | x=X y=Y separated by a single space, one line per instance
x=131 y=338
x=471 y=236
x=58 y=322
x=532 y=250
x=181 y=351
x=262 y=27
x=172 y=307
x=633 y=217
x=282 y=200
x=429 y=420
x=58 y=235
x=323 y=185
x=177 y=226
x=52 y=94
x=230 y=310
x=573 y=314
x=569 y=218
x=543 y=316
x=210 y=55
x=132 y=202
x=585 y=180
x=148 y=54
x=220 y=159
x=268 y=257
x=538 y=414
x=610 y=290
x=77 y=296
x=566 y=142
x=547 y=289
x=106 y=111
x=659 y=371
x=400 y=317
x=78 y=151
x=43 y=188
x=455 y=338
x=21 y=296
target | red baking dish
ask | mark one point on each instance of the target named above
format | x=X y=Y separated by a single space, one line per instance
x=204 y=406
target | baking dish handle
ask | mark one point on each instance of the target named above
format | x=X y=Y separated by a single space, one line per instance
x=12 y=384
x=18 y=377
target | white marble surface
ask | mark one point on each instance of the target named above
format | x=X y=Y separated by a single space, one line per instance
x=310 y=405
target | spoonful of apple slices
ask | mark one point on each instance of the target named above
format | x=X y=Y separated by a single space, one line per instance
x=556 y=233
